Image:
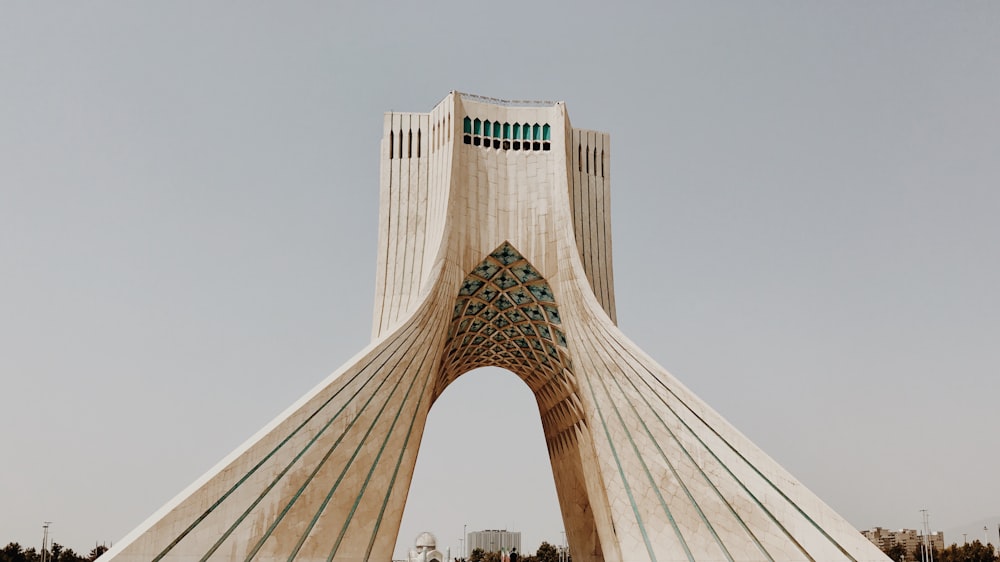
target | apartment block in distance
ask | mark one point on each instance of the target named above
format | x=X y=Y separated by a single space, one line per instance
x=494 y=540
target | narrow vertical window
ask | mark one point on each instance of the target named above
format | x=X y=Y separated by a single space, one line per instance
x=392 y=144
x=579 y=158
x=418 y=143
x=602 y=163
x=588 y=159
x=449 y=126
x=409 y=143
x=400 y=142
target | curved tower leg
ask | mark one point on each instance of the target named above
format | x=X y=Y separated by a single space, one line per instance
x=326 y=480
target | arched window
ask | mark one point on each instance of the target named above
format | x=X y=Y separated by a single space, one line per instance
x=517 y=130
x=467 y=125
x=506 y=130
x=535 y=132
x=477 y=126
x=545 y=132
x=487 y=128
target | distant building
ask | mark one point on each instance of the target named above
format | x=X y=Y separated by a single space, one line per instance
x=493 y=540
x=908 y=538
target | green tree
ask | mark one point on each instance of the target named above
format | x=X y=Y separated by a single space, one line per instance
x=477 y=555
x=896 y=552
x=547 y=553
x=13 y=552
x=970 y=552
x=97 y=551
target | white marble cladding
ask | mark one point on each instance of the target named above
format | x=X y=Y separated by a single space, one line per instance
x=498 y=257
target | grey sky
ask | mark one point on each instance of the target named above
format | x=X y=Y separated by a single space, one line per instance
x=805 y=221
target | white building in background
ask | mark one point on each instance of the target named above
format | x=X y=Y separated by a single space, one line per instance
x=494 y=540
x=425 y=550
x=910 y=539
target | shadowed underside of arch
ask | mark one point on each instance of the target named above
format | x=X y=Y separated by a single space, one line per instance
x=506 y=316
x=494 y=256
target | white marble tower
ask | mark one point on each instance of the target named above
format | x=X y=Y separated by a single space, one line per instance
x=495 y=250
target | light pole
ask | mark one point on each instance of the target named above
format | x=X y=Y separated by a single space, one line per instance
x=45 y=540
x=465 y=546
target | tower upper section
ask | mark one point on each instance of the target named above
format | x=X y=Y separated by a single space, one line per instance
x=492 y=170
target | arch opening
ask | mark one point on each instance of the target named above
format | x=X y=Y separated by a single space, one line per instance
x=505 y=315
x=483 y=462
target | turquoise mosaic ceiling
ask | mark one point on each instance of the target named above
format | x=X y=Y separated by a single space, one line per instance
x=506 y=316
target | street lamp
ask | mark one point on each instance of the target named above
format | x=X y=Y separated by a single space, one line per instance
x=45 y=540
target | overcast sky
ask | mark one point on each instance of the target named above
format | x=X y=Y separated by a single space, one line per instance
x=806 y=229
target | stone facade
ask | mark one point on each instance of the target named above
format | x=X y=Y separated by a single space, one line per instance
x=495 y=250
x=909 y=539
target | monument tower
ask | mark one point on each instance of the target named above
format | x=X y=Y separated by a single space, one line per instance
x=495 y=250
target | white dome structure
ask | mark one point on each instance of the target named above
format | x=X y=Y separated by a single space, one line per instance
x=425 y=549
x=425 y=540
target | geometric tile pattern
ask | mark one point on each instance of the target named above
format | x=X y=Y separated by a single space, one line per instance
x=497 y=257
x=506 y=316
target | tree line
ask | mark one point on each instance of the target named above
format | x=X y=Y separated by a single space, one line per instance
x=14 y=552
x=974 y=551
